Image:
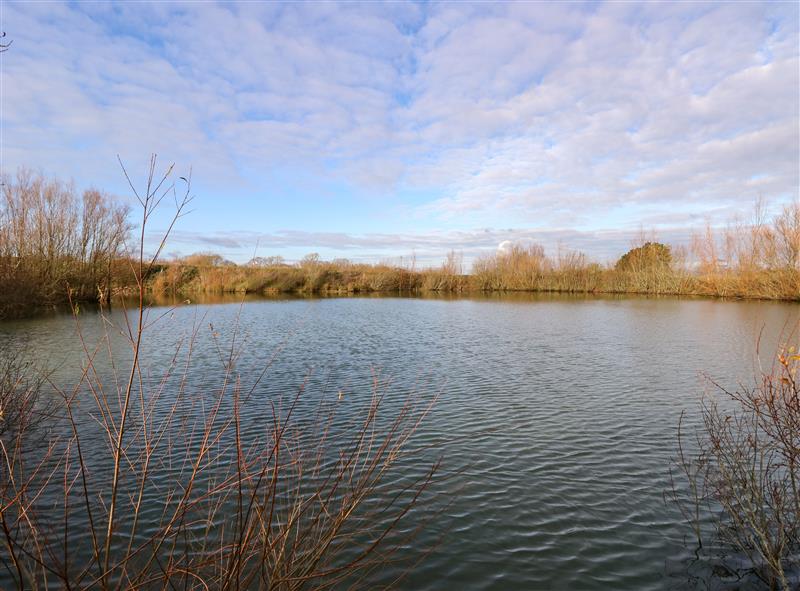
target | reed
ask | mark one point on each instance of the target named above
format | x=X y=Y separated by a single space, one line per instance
x=56 y=245
x=310 y=276
x=754 y=258
x=524 y=268
x=179 y=496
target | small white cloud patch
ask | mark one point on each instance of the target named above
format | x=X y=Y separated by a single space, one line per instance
x=505 y=247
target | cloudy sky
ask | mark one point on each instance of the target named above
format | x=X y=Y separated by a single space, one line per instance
x=380 y=129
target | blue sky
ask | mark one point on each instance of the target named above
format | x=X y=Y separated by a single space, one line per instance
x=378 y=130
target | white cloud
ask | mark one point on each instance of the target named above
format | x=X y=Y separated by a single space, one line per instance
x=523 y=114
x=505 y=247
x=431 y=247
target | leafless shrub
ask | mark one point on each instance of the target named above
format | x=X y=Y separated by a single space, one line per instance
x=744 y=473
x=21 y=407
x=180 y=496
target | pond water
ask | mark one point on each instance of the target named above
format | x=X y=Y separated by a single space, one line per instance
x=556 y=417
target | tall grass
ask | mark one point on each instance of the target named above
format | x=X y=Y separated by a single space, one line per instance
x=757 y=259
x=181 y=491
x=207 y=274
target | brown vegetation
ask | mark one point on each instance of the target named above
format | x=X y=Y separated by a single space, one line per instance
x=55 y=245
x=20 y=385
x=755 y=260
x=744 y=477
x=178 y=496
x=206 y=273
x=55 y=242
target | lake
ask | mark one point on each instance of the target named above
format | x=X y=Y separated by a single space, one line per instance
x=556 y=416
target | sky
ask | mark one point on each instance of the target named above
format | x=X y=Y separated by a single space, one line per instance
x=373 y=131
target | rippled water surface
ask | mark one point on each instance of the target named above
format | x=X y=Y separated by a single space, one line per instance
x=556 y=417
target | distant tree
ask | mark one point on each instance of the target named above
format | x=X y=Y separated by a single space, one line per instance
x=55 y=241
x=273 y=261
x=206 y=259
x=787 y=230
x=342 y=263
x=648 y=257
x=310 y=261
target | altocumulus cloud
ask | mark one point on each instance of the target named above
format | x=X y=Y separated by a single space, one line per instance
x=435 y=120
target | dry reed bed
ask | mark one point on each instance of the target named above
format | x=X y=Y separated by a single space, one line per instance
x=757 y=259
x=57 y=245
x=773 y=284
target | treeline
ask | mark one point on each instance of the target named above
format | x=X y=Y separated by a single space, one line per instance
x=210 y=273
x=758 y=259
x=57 y=244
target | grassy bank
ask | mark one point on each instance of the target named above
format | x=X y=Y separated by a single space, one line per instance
x=57 y=245
x=759 y=259
x=497 y=274
x=756 y=260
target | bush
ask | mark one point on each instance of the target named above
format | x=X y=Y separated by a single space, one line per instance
x=178 y=497
x=745 y=475
x=20 y=388
x=651 y=256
